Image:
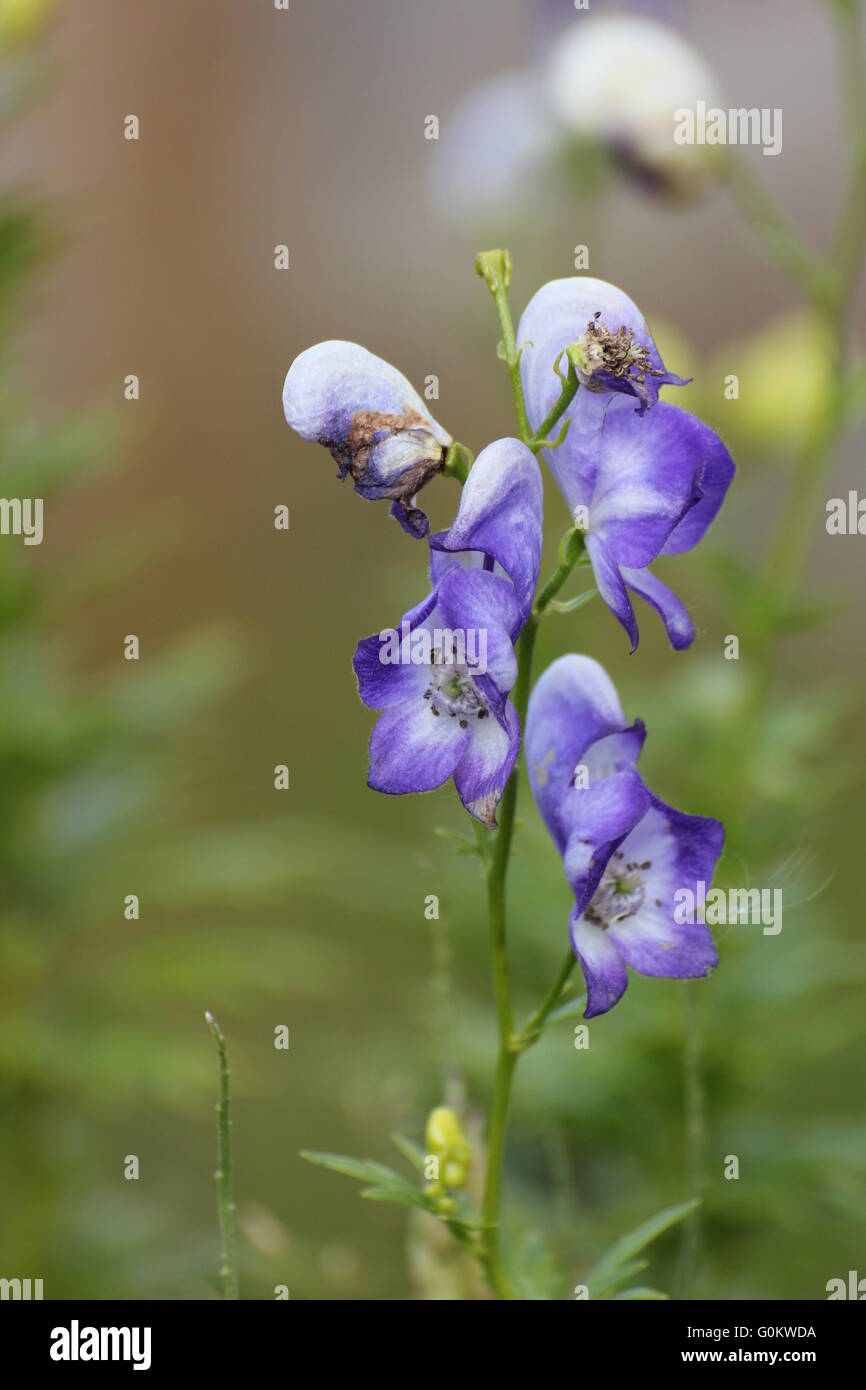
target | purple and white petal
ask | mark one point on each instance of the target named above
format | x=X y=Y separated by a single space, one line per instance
x=696 y=843
x=382 y=663
x=500 y=515
x=648 y=479
x=611 y=586
x=603 y=321
x=713 y=478
x=414 y=521
x=486 y=765
x=372 y=420
x=484 y=609
x=414 y=750
x=597 y=819
x=672 y=610
x=603 y=966
x=654 y=944
x=667 y=852
x=573 y=710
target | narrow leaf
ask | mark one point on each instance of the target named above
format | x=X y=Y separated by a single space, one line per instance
x=365 y=1170
x=404 y=1195
x=617 y=1277
x=568 y=605
x=412 y=1152
x=629 y=1245
x=567 y=1010
x=635 y=1294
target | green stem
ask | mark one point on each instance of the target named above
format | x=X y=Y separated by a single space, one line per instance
x=548 y=1003
x=695 y=1138
x=223 y=1175
x=788 y=551
x=495 y=269
x=569 y=390
x=455 y=465
x=848 y=241
x=781 y=243
x=571 y=548
x=506 y=1056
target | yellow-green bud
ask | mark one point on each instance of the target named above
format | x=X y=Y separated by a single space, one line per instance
x=447 y=1143
x=454 y=1174
x=443 y=1130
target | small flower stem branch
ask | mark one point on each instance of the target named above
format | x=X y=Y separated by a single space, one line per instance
x=542 y=436
x=535 y=1023
x=571 y=548
x=225 y=1200
x=787 y=552
x=494 y=267
x=455 y=465
x=780 y=242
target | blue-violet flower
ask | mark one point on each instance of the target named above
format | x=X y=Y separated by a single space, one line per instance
x=625 y=853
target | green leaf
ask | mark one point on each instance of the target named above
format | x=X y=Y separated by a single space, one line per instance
x=604 y=1274
x=365 y=1170
x=463 y=844
x=567 y=1010
x=404 y=1195
x=568 y=605
x=411 y=1151
x=617 y=1277
x=634 y=1294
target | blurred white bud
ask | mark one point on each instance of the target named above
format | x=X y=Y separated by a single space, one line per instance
x=619 y=81
x=494 y=148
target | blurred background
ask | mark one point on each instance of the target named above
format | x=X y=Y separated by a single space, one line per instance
x=305 y=907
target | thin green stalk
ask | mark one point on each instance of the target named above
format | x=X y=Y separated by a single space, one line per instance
x=225 y=1201
x=781 y=243
x=851 y=230
x=506 y=1056
x=695 y=1137
x=495 y=269
x=455 y=465
x=511 y=1044
x=570 y=385
x=548 y=1004
x=571 y=549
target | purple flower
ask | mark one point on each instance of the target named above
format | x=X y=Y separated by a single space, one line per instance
x=499 y=520
x=625 y=853
x=615 y=348
x=442 y=684
x=442 y=680
x=373 y=421
x=640 y=481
